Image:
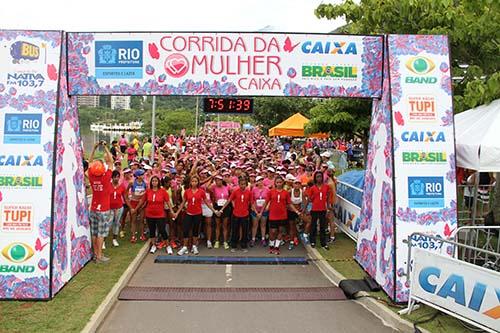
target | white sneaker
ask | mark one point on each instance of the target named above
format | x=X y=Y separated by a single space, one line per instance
x=209 y=244
x=115 y=243
x=169 y=250
x=103 y=246
x=195 y=250
x=184 y=250
x=153 y=249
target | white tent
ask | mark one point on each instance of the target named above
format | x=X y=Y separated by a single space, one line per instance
x=478 y=138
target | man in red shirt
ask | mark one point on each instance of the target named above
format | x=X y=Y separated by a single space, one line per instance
x=241 y=198
x=100 y=212
x=319 y=195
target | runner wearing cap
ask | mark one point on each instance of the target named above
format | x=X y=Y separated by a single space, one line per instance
x=277 y=202
x=138 y=189
x=259 y=195
x=221 y=192
x=192 y=199
x=100 y=215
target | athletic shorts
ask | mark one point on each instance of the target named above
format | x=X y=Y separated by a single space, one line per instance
x=292 y=215
x=206 y=212
x=225 y=213
x=277 y=223
x=100 y=222
x=264 y=214
x=133 y=204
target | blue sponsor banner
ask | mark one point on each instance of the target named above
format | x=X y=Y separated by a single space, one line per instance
x=426 y=192
x=22 y=128
x=118 y=59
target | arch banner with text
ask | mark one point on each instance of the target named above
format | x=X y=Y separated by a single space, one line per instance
x=410 y=182
x=225 y=64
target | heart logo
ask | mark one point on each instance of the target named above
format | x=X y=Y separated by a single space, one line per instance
x=176 y=65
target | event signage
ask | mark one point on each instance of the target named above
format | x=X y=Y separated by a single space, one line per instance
x=423 y=132
x=44 y=229
x=225 y=64
x=456 y=287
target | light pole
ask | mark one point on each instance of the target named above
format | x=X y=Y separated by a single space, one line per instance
x=153 y=118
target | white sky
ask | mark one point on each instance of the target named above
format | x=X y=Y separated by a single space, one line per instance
x=164 y=15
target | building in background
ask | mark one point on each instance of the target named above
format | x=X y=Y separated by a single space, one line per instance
x=89 y=101
x=120 y=102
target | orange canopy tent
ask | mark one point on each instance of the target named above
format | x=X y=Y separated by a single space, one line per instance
x=294 y=126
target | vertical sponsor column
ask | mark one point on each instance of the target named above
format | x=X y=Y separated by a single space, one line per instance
x=424 y=150
x=28 y=88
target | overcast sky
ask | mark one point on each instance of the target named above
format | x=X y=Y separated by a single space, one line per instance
x=180 y=15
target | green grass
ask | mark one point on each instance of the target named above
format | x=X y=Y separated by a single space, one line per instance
x=73 y=306
x=340 y=257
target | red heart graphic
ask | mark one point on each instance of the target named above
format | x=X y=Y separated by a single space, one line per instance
x=176 y=65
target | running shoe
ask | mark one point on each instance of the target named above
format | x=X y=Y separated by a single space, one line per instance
x=282 y=242
x=194 y=250
x=209 y=244
x=226 y=246
x=295 y=241
x=290 y=246
x=115 y=243
x=103 y=246
x=184 y=250
x=252 y=243
x=102 y=260
x=217 y=245
x=233 y=250
x=143 y=238
x=153 y=249
x=133 y=240
x=161 y=245
x=306 y=239
x=271 y=249
x=173 y=244
x=245 y=250
x=169 y=250
x=332 y=239
x=313 y=244
x=277 y=251
x=326 y=247
x=263 y=243
x=122 y=234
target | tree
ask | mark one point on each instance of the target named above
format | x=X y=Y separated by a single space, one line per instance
x=173 y=121
x=342 y=117
x=473 y=27
x=270 y=111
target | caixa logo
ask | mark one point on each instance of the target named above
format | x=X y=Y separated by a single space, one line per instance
x=334 y=47
x=423 y=136
x=458 y=288
x=421 y=67
x=17 y=253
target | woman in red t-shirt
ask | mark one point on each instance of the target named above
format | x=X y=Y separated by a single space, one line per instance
x=154 y=200
x=278 y=203
x=319 y=196
x=241 y=198
x=193 y=198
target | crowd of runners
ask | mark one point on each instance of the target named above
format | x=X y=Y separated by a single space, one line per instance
x=227 y=189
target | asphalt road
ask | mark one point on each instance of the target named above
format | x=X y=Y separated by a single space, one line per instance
x=266 y=316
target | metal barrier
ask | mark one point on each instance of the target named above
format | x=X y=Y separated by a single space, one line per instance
x=450 y=273
x=479 y=237
x=469 y=213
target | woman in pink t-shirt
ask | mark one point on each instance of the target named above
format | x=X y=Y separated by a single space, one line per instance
x=259 y=194
x=220 y=193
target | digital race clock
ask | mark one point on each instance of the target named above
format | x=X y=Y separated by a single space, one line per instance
x=228 y=105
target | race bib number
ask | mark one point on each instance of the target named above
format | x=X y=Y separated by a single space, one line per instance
x=221 y=202
x=260 y=202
